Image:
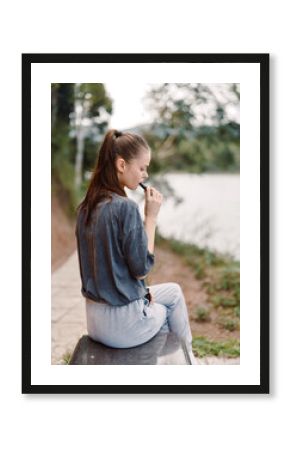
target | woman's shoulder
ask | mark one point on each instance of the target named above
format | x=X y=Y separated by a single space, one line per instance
x=123 y=203
x=125 y=210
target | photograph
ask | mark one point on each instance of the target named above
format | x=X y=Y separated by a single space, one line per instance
x=145 y=201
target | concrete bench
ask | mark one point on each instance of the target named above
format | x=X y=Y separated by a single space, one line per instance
x=164 y=348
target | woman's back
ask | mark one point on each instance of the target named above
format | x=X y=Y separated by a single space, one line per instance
x=113 y=252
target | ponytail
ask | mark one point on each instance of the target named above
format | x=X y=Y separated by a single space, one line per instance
x=104 y=179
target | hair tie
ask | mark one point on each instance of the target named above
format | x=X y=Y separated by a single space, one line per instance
x=118 y=133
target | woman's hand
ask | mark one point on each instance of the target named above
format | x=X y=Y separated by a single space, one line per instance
x=153 y=201
x=151 y=299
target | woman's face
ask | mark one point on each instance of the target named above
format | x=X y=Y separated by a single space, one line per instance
x=130 y=174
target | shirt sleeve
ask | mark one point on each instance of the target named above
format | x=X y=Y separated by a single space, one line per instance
x=135 y=242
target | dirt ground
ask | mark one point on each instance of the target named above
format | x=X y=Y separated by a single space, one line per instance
x=168 y=267
x=63 y=242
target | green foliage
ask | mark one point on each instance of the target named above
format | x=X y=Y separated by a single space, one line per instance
x=181 y=138
x=237 y=311
x=228 y=323
x=203 y=347
x=229 y=279
x=66 y=358
x=202 y=314
x=219 y=300
x=224 y=294
x=199 y=270
x=93 y=98
x=62 y=103
x=63 y=182
x=220 y=277
x=203 y=153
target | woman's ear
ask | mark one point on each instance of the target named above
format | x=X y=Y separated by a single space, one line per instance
x=120 y=164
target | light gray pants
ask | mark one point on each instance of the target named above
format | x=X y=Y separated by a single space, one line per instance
x=133 y=324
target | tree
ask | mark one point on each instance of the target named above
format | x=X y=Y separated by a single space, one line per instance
x=185 y=106
x=92 y=107
x=77 y=113
x=189 y=117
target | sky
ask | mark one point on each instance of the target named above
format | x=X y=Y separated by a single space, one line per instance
x=129 y=110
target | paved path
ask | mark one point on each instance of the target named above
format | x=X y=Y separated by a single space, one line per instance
x=68 y=313
x=68 y=309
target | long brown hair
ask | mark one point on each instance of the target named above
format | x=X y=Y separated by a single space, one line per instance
x=104 y=179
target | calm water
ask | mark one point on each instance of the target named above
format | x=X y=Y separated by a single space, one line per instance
x=209 y=214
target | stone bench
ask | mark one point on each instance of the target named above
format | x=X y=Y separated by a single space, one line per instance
x=164 y=348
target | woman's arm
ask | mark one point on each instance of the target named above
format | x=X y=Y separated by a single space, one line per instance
x=153 y=200
x=135 y=242
x=150 y=227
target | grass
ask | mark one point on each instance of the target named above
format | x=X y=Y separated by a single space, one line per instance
x=229 y=323
x=202 y=314
x=66 y=357
x=220 y=277
x=202 y=347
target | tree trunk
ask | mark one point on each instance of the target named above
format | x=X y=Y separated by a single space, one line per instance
x=79 y=140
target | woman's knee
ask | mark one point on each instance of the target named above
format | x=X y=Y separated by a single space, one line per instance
x=177 y=289
x=169 y=294
x=176 y=293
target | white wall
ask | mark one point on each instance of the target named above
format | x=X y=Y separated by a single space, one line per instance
x=200 y=421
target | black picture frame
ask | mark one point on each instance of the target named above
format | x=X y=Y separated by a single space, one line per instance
x=262 y=60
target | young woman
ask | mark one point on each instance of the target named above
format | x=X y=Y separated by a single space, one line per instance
x=116 y=252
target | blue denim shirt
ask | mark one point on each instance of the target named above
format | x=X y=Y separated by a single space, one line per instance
x=113 y=251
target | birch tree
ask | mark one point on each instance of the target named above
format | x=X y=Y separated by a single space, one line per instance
x=92 y=107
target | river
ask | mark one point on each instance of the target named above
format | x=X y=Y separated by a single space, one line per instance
x=208 y=215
